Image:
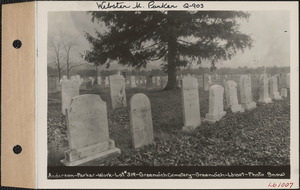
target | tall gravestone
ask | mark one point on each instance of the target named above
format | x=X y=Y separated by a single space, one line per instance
x=52 y=88
x=88 y=133
x=264 y=89
x=231 y=97
x=141 y=120
x=216 y=106
x=274 y=94
x=132 y=82
x=70 y=89
x=190 y=103
x=117 y=91
x=246 y=93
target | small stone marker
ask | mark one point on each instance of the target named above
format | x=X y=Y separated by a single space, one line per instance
x=274 y=94
x=264 y=89
x=190 y=103
x=88 y=133
x=231 y=97
x=246 y=92
x=117 y=91
x=106 y=81
x=132 y=82
x=52 y=88
x=216 y=106
x=149 y=81
x=284 y=93
x=288 y=80
x=99 y=81
x=70 y=89
x=158 y=81
x=141 y=120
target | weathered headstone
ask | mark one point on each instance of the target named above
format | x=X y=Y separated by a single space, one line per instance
x=216 y=106
x=88 y=133
x=246 y=92
x=190 y=103
x=132 y=82
x=284 y=93
x=70 y=89
x=52 y=88
x=141 y=120
x=264 y=89
x=231 y=97
x=274 y=94
x=117 y=91
x=154 y=80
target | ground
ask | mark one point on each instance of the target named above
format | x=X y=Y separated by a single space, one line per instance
x=257 y=137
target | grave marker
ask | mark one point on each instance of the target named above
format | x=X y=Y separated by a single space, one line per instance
x=264 y=89
x=132 y=82
x=52 y=88
x=274 y=94
x=284 y=93
x=70 y=89
x=216 y=106
x=246 y=92
x=88 y=133
x=190 y=103
x=141 y=120
x=117 y=91
x=231 y=97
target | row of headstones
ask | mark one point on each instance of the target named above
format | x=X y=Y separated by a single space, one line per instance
x=88 y=126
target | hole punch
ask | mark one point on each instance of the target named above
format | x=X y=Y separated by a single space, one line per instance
x=17 y=44
x=17 y=149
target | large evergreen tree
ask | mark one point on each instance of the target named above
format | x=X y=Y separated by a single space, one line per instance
x=176 y=37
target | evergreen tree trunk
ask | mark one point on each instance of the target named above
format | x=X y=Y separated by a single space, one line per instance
x=172 y=48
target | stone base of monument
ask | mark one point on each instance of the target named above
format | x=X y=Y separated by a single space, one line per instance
x=237 y=108
x=276 y=96
x=91 y=155
x=212 y=118
x=249 y=106
x=190 y=127
x=265 y=101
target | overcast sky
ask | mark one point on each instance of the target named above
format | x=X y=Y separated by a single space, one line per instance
x=269 y=29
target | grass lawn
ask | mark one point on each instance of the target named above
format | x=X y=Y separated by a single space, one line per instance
x=258 y=137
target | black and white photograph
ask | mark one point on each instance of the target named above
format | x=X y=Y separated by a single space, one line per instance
x=169 y=90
